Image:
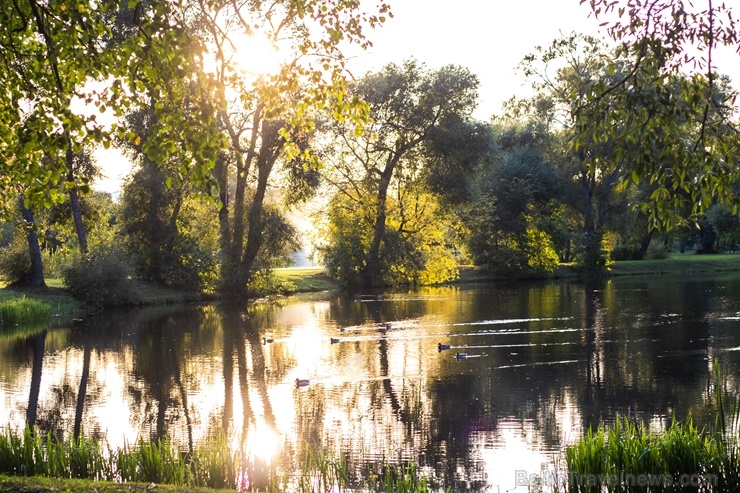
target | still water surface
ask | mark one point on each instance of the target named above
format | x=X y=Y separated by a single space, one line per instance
x=544 y=361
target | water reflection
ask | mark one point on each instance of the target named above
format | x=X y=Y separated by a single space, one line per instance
x=545 y=362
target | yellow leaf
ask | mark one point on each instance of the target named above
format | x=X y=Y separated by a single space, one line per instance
x=137 y=140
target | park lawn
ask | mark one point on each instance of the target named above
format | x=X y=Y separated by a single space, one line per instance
x=61 y=302
x=307 y=279
x=678 y=263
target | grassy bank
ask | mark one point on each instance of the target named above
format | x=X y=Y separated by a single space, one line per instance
x=89 y=465
x=307 y=279
x=678 y=263
x=24 y=308
x=39 y=484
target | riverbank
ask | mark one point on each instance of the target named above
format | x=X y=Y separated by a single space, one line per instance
x=314 y=279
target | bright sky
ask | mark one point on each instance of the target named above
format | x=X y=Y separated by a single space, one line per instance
x=489 y=37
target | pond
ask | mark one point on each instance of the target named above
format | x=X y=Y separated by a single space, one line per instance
x=530 y=367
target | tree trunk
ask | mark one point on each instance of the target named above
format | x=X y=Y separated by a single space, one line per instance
x=373 y=275
x=644 y=244
x=36 y=277
x=254 y=236
x=243 y=165
x=271 y=143
x=74 y=202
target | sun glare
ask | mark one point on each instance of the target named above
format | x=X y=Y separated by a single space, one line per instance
x=256 y=55
x=262 y=442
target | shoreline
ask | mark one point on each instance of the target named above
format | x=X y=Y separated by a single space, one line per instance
x=301 y=280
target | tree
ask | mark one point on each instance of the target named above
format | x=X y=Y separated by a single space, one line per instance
x=677 y=41
x=410 y=107
x=596 y=133
x=57 y=55
x=265 y=120
x=514 y=221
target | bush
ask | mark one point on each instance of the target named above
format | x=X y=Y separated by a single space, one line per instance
x=624 y=251
x=15 y=261
x=658 y=250
x=103 y=278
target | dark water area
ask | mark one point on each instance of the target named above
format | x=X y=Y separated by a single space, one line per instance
x=531 y=366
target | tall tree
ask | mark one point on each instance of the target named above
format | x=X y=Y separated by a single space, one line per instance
x=410 y=106
x=571 y=74
x=672 y=38
x=520 y=211
x=266 y=119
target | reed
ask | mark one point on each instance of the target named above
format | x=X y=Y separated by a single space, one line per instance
x=23 y=311
x=212 y=464
x=319 y=472
x=628 y=457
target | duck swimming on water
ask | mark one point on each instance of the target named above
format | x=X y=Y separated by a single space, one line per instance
x=442 y=347
x=302 y=382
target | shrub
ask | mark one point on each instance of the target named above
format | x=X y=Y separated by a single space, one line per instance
x=658 y=250
x=15 y=261
x=103 y=278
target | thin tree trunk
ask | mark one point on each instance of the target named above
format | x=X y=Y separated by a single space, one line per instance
x=243 y=165
x=74 y=202
x=36 y=278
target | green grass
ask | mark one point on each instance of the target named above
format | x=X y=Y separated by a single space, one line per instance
x=23 y=310
x=29 y=310
x=679 y=263
x=39 y=484
x=307 y=280
x=624 y=456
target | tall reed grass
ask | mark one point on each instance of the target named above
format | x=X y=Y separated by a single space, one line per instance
x=31 y=454
x=212 y=464
x=23 y=311
x=629 y=457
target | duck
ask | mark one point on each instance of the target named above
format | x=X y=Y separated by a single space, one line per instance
x=459 y=356
x=302 y=382
x=267 y=340
x=442 y=347
x=334 y=340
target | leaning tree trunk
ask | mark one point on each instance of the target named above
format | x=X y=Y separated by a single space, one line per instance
x=74 y=202
x=36 y=276
x=265 y=162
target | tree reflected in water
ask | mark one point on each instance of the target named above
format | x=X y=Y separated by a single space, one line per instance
x=545 y=362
